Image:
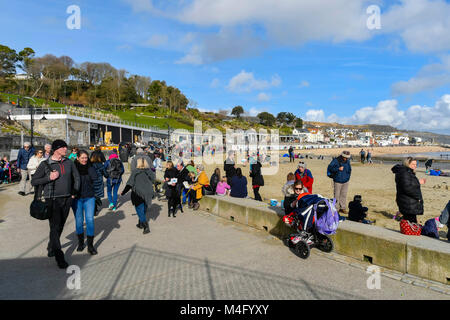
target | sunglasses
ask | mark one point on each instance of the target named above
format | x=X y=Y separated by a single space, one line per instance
x=300 y=189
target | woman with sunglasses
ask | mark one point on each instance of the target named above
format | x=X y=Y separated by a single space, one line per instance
x=34 y=163
x=291 y=201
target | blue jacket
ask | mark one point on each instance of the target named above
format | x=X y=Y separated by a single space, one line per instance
x=23 y=157
x=238 y=187
x=340 y=176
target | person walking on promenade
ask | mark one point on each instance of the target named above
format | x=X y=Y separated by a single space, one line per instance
x=141 y=195
x=340 y=171
x=74 y=154
x=85 y=202
x=23 y=158
x=34 y=163
x=257 y=178
x=124 y=153
x=409 y=196
x=47 y=150
x=99 y=186
x=140 y=154
x=239 y=185
x=114 y=169
x=305 y=176
x=170 y=185
x=61 y=182
x=98 y=152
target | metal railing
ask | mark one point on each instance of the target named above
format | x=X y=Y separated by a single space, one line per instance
x=87 y=115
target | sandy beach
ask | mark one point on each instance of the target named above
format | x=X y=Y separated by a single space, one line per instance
x=376 y=151
x=374 y=182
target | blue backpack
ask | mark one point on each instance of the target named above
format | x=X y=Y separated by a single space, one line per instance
x=328 y=223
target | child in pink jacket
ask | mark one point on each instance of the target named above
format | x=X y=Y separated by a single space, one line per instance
x=223 y=189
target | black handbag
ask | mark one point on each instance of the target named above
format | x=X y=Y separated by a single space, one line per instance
x=38 y=207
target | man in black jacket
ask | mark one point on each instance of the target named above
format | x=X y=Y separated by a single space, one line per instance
x=61 y=184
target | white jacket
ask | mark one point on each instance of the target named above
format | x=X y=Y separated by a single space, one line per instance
x=34 y=163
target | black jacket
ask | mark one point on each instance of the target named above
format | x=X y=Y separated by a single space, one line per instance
x=356 y=211
x=66 y=185
x=100 y=154
x=87 y=181
x=255 y=174
x=214 y=181
x=409 y=197
x=230 y=170
x=171 y=190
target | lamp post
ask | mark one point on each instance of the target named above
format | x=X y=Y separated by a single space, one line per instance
x=31 y=120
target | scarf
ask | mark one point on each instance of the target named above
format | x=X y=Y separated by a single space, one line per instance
x=82 y=169
x=141 y=183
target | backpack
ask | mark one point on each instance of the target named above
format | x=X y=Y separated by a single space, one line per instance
x=114 y=169
x=328 y=223
x=330 y=174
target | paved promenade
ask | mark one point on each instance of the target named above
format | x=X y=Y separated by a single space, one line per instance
x=193 y=256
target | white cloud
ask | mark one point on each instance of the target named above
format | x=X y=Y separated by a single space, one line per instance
x=157 y=40
x=215 y=83
x=246 y=82
x=315 y=115
x=304 y=84
x=263 y=97
x=253 y=112
x=193 y=57
x=140 y=5
x=430 y=77
x=387 y=112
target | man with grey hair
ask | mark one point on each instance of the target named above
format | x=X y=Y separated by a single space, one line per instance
x=23 y=157
x=47 y=150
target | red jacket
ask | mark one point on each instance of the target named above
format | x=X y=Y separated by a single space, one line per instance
x=306 y=178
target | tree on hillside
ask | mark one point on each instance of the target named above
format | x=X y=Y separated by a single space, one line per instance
x=237 y=111
x=287 y=118
x=266 y=119
x=8 y=60
x=299 y=123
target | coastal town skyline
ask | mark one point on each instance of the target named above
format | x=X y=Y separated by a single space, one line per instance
x=321 y=67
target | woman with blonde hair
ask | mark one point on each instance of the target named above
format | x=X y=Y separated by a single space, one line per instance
x=140 y=182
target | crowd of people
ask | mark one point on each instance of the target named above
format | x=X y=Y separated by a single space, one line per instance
x=77 y=181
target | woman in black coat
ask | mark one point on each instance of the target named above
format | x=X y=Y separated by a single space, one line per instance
x=409 y=197
x=172 y=194
x=214 y=181
x=257 y=179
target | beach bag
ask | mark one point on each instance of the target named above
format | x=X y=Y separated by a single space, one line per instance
x=114 y=169
x=410 y=228
x=328 y=223
x=430 y=229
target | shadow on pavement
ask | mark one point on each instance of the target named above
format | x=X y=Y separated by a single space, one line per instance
x=141 y=273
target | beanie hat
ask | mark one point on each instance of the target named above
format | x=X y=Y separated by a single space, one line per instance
x=302 y=164
x=58 y=144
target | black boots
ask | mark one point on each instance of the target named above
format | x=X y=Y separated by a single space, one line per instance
x=81 y=244
x=59 y=257
x=90 y=244
x=146 y=228
x=139 y=225
x=170 y=211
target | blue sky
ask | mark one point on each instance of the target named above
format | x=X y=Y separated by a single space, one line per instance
x=316 y=59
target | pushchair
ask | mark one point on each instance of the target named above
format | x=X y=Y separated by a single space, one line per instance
x=314 y=219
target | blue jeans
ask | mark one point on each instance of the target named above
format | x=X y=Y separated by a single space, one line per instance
x=85 y=208
x=141 y=211
x=112 y=190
